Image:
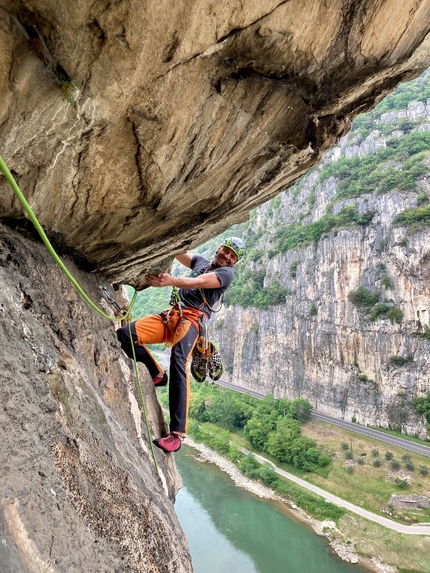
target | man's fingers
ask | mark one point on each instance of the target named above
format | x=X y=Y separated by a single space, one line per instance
x=160 y=280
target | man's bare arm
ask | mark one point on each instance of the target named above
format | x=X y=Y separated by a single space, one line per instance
x=185 y=259
x=209 y=280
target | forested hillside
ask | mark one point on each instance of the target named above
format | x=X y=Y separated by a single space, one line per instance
x=332 y=302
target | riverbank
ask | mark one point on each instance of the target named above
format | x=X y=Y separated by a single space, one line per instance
x=326 y=528
x=375 y=547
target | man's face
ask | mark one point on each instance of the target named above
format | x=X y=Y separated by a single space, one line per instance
x=225 y=257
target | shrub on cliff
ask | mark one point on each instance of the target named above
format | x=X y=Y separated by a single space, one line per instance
x=422 y=405
x=400 y=360
x=363 y=297
x=395 y=315
x=411 y=216
x=378 y=310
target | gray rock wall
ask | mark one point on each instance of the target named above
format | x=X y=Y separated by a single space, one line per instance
x=78 y=487
x=154 y=126
x=338 y=358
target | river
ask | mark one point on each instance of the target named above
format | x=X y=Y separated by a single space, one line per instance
x=231 y=530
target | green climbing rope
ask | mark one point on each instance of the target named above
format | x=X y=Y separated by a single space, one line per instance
x=50 y=248
x=139 y=385
x=10 y=179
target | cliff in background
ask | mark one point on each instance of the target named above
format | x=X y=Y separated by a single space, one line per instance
x=348 y=319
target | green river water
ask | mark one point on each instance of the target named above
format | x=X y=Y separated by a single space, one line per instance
x=231 y=530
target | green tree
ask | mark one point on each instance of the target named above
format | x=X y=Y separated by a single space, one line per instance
x=301 y=409
x=306 y=456
x=250 y=467
x=280 y=441
x=422 y=405
x=283 y=406
x=197 y=409
x=267 y=474
x=225 y=408
x=258 y=431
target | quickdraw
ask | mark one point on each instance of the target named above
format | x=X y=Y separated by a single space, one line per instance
x=121 y=313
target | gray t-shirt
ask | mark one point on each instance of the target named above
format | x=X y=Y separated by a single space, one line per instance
x=192 y=297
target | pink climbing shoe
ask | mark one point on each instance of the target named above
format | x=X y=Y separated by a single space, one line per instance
x=161 y=380
x=170 y=443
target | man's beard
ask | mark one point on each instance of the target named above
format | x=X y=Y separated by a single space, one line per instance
x=215 y=264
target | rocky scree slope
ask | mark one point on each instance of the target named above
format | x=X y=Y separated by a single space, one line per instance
x=334 y=301
x=79 y=490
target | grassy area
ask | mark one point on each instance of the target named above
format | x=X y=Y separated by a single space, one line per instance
x=409 y=553
x=365 y=485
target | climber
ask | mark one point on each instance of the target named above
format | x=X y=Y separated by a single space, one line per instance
x=179 y=328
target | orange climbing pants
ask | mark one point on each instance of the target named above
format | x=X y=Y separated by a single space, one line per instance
x=179 y=332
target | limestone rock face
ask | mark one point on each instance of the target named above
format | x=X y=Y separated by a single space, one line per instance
x=79 y=490
x=316 y=343
x=138 y=130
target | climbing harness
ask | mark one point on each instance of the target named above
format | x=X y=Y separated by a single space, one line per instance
x=202 y=292
x=124 y=315
x=206 y=359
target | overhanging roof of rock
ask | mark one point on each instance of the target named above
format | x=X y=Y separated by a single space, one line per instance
x=186 y=113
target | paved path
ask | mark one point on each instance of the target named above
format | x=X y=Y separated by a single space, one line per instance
x=409 y=529
x=385 y=521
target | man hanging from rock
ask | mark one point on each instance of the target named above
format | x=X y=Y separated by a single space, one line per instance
x=179 y=328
